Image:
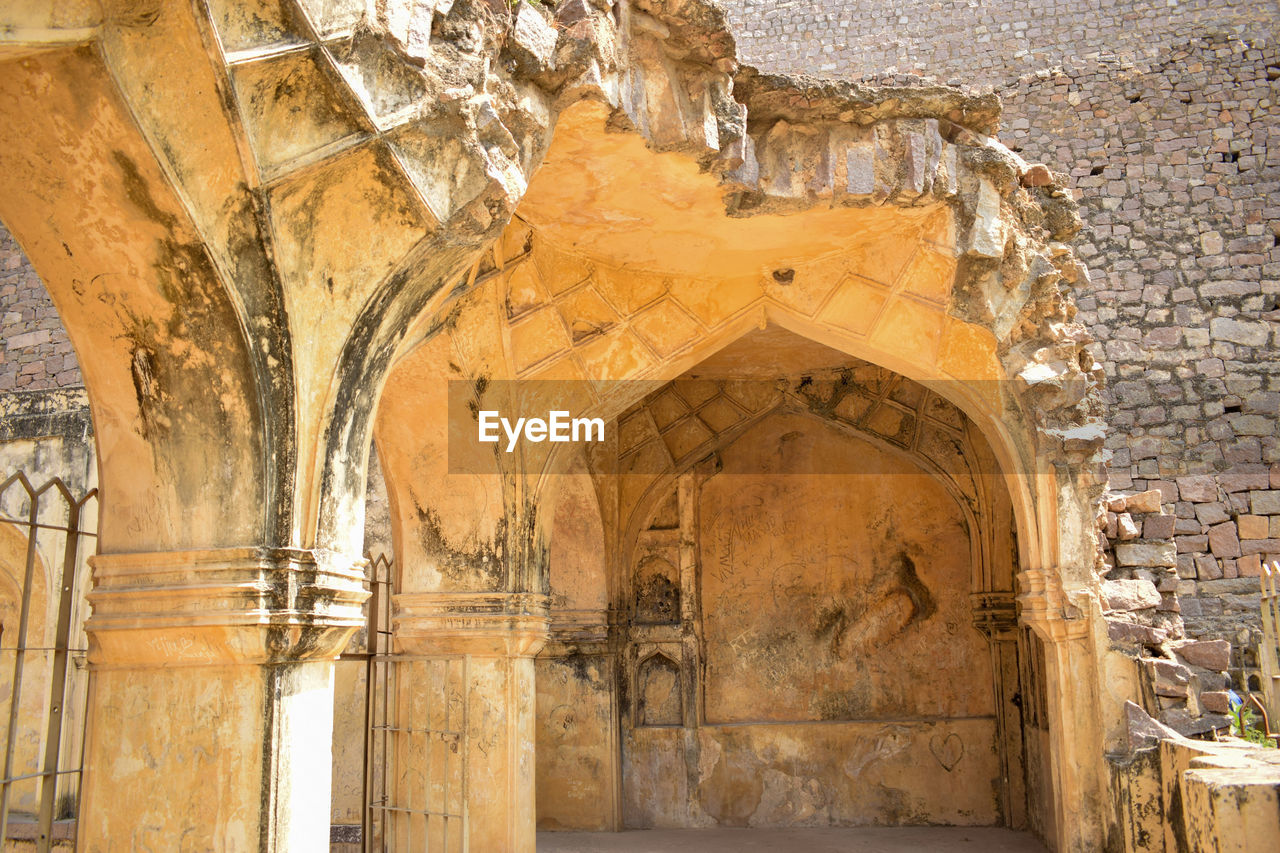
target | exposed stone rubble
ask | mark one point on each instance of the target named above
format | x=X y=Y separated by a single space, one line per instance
x=423 y=126
x=1185 y=679
x=784 y=143
x=1016 y=263
x=1138 y=559
x=37 y=352
x=1165 y=119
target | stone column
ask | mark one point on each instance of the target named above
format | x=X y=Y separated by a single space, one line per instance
x=471 y=654
x=211 y=712
x=1075 y=724
x=995 y=614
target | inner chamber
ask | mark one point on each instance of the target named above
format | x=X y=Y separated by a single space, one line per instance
x=806 y=565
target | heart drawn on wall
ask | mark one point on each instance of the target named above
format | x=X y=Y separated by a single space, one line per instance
x=948 y=750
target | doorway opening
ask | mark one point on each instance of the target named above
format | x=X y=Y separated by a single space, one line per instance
x=808 y=564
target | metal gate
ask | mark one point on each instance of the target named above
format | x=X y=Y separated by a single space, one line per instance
x=377 y=651
x=46 y=536
x=415 y=784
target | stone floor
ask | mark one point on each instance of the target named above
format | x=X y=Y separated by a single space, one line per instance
x=855 y=840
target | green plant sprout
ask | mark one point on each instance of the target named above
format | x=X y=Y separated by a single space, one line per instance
x=1244 y=724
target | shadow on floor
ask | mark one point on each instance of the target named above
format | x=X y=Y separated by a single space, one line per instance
x=844 y=840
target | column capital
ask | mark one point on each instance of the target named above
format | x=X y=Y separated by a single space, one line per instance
x=1046 y=607
x=249 y=605
x=995 y=614
x=491 y=624
x=578 y=631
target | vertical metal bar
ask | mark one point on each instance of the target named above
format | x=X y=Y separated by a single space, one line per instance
x=387 y=668
x=84 y=737
x=428 y=737
x=464 y=746
x=388 y=748
x=58 y=682
x=88 y=681
x=370 y=669
x=19 y=655
x=406 y=727
x=450 y=757
x=396 y=709
x=434 y=745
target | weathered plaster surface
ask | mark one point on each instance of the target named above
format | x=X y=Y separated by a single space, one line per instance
x=198 y=232
x=835 y=774
x=833 y=597
x=802 y=629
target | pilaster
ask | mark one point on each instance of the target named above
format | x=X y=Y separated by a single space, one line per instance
x=1075 y=725
x=213 y=684
x=485 y=645
x=995 y=614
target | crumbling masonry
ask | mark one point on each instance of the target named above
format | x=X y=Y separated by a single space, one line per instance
x=867 y=373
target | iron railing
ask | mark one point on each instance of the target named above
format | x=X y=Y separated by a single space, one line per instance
x=46 y=535
x=415 y=778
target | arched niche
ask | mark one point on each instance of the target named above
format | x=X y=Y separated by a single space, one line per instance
x=567 y=297
x=659 y=694
x=923 y=598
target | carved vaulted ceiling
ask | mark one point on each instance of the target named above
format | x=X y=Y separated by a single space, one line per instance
x=246 y=210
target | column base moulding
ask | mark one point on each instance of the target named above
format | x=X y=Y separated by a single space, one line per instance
x=224 y=606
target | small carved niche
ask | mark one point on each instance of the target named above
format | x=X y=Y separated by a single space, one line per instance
x=661 y=700
x=656 y=592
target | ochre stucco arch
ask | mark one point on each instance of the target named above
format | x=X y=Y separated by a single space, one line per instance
x=971 y=382
x=192 y=217
x=983 y=399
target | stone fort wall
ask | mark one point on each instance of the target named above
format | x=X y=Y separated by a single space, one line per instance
x=1166 y=117
x=982 y=43
x=37 y=355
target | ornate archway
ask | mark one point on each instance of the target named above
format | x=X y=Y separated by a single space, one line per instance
x=254 y=216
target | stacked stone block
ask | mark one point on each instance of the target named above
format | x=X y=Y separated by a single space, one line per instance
x=36 y=352
x=1138 y=560
x=1185 y=679
x=973 y=42
x=1177 y=167
x=1188 y=688
x=1166 y=117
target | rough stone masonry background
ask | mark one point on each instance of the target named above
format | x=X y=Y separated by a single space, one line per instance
x=1166 y=115
x=37 y=355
